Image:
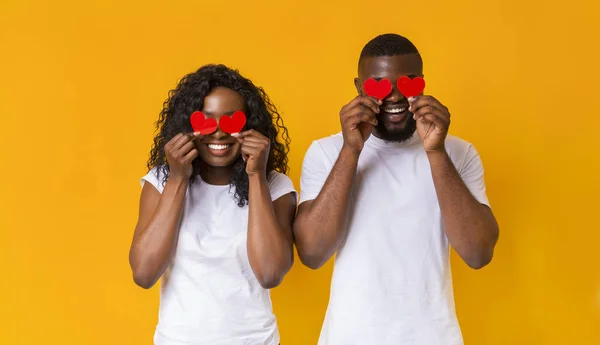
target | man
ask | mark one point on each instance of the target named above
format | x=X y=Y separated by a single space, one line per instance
x=389 y=195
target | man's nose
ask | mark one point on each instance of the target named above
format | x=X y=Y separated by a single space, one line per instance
x=395 y=96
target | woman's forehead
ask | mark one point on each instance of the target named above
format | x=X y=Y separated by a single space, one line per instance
x=223 y=100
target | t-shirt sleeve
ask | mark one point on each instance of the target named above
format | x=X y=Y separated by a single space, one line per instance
x=280 y=185
x=314 y=172
x=154 y=179
x=472 y=175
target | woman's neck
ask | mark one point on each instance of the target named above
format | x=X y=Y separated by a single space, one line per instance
x=215 y=175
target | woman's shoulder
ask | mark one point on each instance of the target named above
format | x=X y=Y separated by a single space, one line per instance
x=155 y=177
x=274 y=175
x=279 y=184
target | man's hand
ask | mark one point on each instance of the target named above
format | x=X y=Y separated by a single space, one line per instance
x=358 y=118
x=433 y=120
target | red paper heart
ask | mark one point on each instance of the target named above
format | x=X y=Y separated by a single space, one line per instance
x=379 y=90
x=233 y=124
x=200 y=123
x=411 y=87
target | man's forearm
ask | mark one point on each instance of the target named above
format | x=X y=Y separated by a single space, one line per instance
x=320 y=226
x=470 y=226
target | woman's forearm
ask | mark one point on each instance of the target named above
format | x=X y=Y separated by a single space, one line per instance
x=269 y=248
x=152 y=250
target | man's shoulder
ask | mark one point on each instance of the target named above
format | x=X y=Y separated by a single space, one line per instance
x=329 y=144
x=460 y=150
x=455 y=141
x=325 y=149
x=336 y=139
x=457 y=145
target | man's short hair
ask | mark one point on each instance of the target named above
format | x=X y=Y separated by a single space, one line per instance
x=388 y=45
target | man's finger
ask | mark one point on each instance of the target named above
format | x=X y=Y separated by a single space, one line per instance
x=367 y=118
x=356 y=111
x=436 y=120
x=369 y=102
x=424 y=101
x=361 y=101
x=358 y=115
x=428 y=109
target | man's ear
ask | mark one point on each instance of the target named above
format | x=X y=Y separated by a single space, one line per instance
x=358 y=86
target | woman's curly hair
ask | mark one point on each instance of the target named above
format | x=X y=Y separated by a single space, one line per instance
x=188 y=96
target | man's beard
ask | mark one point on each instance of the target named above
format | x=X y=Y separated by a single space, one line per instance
x=397 y=136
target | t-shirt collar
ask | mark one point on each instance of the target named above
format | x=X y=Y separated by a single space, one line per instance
x=378 y=143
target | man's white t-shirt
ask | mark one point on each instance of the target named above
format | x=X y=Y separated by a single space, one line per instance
x=392 y=283
x=209 y=294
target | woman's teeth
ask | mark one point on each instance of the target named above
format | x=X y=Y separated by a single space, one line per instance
x=218 y=147
x=395 y=111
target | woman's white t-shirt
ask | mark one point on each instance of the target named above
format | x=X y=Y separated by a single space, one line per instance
x=209 y=294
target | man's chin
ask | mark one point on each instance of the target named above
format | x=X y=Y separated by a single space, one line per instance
x=396 y=135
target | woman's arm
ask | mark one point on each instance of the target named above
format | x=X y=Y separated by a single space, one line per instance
x=157 y=230
x=270 y=243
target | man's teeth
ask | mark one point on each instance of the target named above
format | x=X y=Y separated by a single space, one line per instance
x=218 y=147
x=395 y=111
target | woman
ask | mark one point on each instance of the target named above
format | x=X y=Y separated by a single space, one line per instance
x=216 y=215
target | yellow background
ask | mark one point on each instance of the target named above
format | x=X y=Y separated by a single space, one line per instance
x=81 y=83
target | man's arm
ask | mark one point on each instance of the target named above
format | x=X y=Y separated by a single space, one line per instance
x=469 y=225
x=319 y=228
x=320 y=225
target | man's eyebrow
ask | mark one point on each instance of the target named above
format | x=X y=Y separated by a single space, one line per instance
x=411 y=76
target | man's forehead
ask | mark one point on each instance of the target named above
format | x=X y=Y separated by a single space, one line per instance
x=384 y=66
